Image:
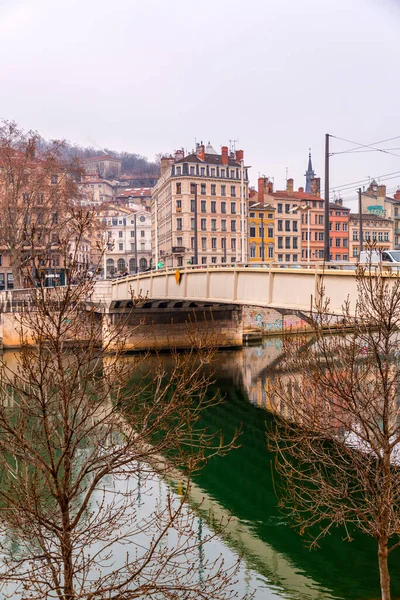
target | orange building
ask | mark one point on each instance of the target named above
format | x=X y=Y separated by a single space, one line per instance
x=339 y=218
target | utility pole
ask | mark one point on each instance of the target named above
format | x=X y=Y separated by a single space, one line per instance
x=136 y=263
x=361 y=224
x=262 y=237
x=196 y=241
x=327 y=249
x=224 y=247
x=155 y=231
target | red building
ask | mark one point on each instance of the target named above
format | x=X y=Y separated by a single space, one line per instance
x=339 y=217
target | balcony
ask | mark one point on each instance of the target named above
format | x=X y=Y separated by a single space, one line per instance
x=178 y=249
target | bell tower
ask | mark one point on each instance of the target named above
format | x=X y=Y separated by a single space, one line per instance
x=310 y=174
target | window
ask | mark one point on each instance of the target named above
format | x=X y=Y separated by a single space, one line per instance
x=193 y=187
x=120 y=234
x=54 y=218
x=233 y=244
x=355 y=252
x=178 y=206
x=337 y=226
x=345 y=243
x=314 y=203
x=178 y=170
x=287 y=242
x=337 y=257
x=270 y=252
x=287 y=257
x=214 y=259
x=261 y=231
x=179 y=224
x=280 y=208
x=223 y=207
x=338 y=213
x=233 y=208
x=330 y=225
x=295 y=226
x=54 y=179
x=233 y=225
x=270 y=232
x=179 y=188
x=252 y=251
x=213 y=172
x=252 y=215
x=316 y=236
x=213 y=224
x=222 y=172
x=280 y=225
x=204 y=243
x=295 y=243
x=142 y=233
x=386 y=236
x=203 y=207
x=203 y=189
x=252 y=231
x=192 y=243
x=294 y=257
x=203 y=224
x=355 y=235
x=223 y=225
x=287 y=208
x=280 y=242
x=204 y=260
x=213 y=189
x=320 y=219
x=287 y=225
x=321 y=236
x=202 y=171
x=120 y=247
x=233 y=191
x=213 y=206
x=337 y=242
x=214 y=243
x=192 y=205
x=344 y=226
x=192 y=170
x=223 y=190
x=179 y=241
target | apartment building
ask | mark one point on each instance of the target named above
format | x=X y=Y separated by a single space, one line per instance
x=339 y=219
x=375 y=229
x=200 y=197
x=375 y=201
x=128 y=236
x=96 y=190
x=261 y=222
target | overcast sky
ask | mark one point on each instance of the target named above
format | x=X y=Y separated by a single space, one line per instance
x=150 y=76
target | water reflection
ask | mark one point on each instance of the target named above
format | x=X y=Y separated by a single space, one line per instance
x=242 y=485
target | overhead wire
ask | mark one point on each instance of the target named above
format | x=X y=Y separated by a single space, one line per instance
x=359 y=146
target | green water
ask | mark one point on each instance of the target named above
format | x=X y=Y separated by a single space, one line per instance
x=242 y=483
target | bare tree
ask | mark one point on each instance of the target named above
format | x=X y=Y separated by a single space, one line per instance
x=338 y=444
x=80 y=428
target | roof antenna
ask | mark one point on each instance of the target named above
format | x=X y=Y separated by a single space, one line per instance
x=286 y=173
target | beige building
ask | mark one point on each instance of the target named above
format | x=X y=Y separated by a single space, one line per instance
x=218 y=183
x=375 y=201
x=105 y=166
x=128 y=236
x=375 y=230
x=96 y=190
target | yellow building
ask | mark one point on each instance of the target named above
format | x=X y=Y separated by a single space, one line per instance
x=261 y=232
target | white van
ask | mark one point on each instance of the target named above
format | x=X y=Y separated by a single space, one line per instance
x=376 y=256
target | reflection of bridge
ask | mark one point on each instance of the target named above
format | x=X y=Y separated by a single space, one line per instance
x=245 y=285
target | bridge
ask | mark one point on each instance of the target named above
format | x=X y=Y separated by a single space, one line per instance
x=250 y=285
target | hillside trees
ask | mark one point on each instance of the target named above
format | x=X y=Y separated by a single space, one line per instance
x=338 y=448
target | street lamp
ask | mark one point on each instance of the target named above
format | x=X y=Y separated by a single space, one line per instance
x=306 y=208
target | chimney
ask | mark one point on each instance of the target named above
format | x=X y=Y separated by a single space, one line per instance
x=201 y=151
x=339 y=201
x=239 y=155
x=225 y=156
x=289 y=187
x=315 y=185
x=179 y=155
x=381 y=191
x=301 y=190
x=397 y=195
x=164 y=164
x=260 y=189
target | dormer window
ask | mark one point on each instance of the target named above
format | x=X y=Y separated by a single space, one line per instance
x=192 y=171
x=178 y=170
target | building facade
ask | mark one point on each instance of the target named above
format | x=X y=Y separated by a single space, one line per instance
x=105 y=166
x=127 y=234
x=261 y=232
x=339 y=219
x=203 y=197
x=375 y=230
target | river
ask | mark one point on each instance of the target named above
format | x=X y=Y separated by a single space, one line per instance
x=276 y=562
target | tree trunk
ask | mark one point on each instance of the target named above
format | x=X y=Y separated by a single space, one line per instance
x=384 y=569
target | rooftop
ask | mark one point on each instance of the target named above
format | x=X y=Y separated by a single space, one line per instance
x=100 y=158
x=141 y=192
x=209 y=158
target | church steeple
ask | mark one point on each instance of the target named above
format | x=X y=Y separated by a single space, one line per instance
x=309 y=174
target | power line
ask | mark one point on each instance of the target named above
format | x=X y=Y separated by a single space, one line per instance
x=385 y=175
x=372 y=146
